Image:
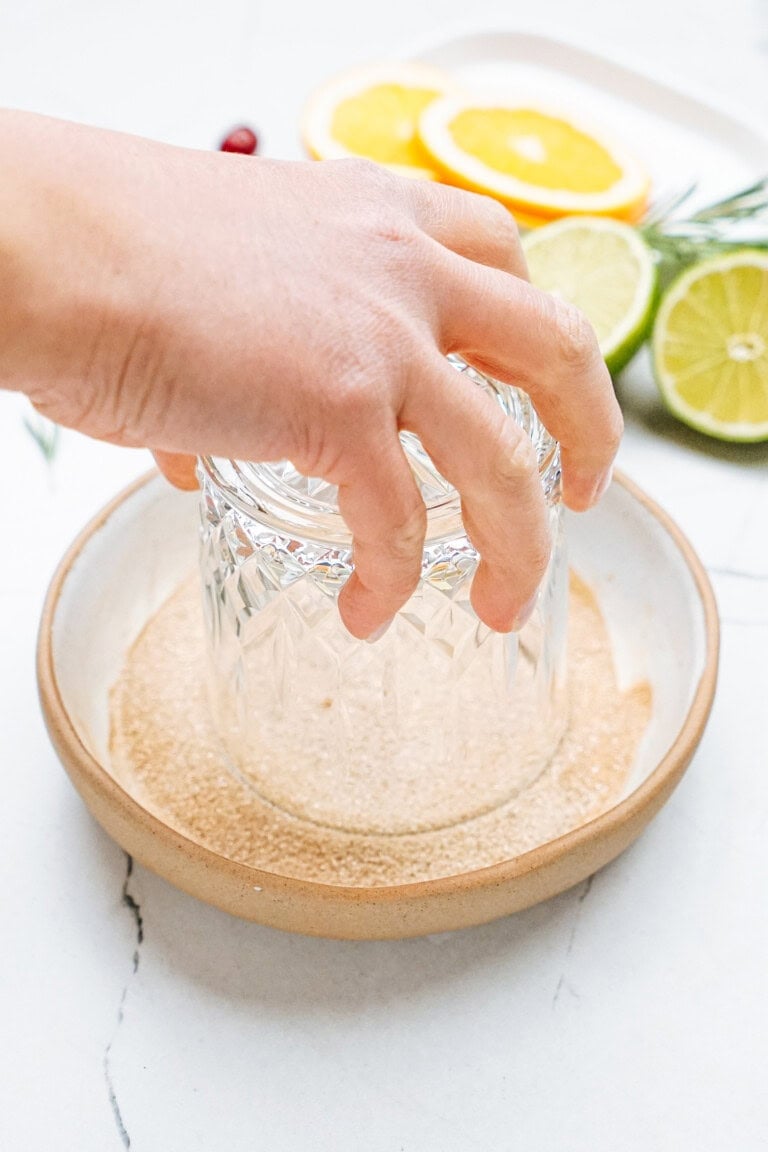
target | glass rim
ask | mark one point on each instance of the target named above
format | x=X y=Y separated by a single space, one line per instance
x=307 y=508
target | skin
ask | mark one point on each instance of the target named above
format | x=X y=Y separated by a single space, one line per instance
x=199 y=303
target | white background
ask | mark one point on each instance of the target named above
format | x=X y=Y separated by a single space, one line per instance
x=627 y=1019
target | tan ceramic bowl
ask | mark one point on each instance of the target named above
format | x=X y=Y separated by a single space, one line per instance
x=661 y=615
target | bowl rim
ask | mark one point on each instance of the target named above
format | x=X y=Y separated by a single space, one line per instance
x=79 y=762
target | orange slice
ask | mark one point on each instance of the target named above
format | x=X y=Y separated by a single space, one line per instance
x=538 y=160
x=374 y=112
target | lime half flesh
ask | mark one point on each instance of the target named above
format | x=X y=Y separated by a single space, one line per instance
x=710 y=346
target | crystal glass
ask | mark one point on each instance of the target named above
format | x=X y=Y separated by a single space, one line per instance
x=386 y=737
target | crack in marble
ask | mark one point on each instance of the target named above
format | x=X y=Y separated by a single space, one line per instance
x=562 y=983
x=128 y=901
x=739 y=573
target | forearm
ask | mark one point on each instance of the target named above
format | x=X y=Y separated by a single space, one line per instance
x=198 y=303
x=64 y=268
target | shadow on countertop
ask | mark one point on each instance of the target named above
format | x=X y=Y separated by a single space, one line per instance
x=643 y=407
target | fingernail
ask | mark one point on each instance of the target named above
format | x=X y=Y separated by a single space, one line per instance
x=377 y=635
x=602 y=485
x=525 y=613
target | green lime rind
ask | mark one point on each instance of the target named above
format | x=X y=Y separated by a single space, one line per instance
x=618 y=358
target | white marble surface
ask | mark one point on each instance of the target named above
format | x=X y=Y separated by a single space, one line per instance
x=628 y=1015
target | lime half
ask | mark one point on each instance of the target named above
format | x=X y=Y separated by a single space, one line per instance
x=710 y=346
x=607 y=270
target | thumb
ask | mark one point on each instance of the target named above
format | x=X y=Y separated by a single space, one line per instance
x=178 y=468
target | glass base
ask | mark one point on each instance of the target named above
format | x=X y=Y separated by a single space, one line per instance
x=438 y=722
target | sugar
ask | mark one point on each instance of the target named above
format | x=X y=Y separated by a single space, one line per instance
x=165 y=751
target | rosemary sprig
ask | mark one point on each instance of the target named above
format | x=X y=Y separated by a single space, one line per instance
x=715 y=228
x=45 y=434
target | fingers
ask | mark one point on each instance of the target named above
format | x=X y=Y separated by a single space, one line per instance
x=491 y=462
x=471 y=225
x=179 y=469
x=528 y=338
x=383 y=509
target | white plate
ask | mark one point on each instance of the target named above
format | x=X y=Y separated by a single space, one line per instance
x=679 y=138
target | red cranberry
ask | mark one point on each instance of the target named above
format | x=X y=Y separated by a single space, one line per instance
x=242 y=140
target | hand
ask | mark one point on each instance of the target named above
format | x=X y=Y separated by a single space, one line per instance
x=213 y=304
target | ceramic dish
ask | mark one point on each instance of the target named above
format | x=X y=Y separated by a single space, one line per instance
x=662 y=621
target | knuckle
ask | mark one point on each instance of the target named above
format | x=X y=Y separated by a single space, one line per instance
x=576 y=340
x=314 y=454
x=407 y=537
x=356 y=401
x=611 y=438
x=616 y=425
x=395 y=551
x=371 y=181
x=513 y=462
x=361 y=170
x=501 y=218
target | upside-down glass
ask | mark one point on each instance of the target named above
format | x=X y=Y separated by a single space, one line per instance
x=386 y=737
